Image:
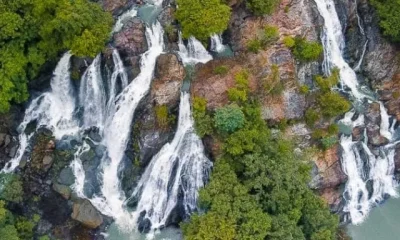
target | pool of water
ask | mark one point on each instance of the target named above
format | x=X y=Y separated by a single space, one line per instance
x=381 y=224
x=169 y=233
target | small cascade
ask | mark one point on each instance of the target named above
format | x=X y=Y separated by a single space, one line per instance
x=216 y=43
x=194 y=53
x=117 y=132
x=178 y=170
x=358 y=66
x=369 y=170
x=92 y=96
x=123 y=19
x=54 y=110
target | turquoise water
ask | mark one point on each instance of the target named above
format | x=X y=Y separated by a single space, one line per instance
x=169 y=233
x=383 y=223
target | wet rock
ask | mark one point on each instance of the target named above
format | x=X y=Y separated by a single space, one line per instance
x=131 y=40
x=397 y=158
x=65 y=191
x=169 y=75
x=47 y=162
x=144 y=224
x=358 y=133
x=373 y=121
x=329 y=173
x=84 y=212
x=2 y=139
x=66 y=177
x=390 y=94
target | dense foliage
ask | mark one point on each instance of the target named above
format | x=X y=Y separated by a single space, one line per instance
x=303 y=50
x=229 y=118
x=10 y=187
x=201 y=18
x=262 y=7
x=33 y=31
x=388 y=12
x=264 y=38
x=258 y=188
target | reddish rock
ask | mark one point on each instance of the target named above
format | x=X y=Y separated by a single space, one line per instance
x=333 y=197
x=169 y=78
x=113 y=5
x=330 y=173
x=131 y=40
x=358 y=133
x=390 y=94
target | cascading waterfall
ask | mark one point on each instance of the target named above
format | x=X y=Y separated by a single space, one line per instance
x=53 y=109
x=117 y=132
x=216 y=43
x=123 y=18
x=179 y=168
x=358 y=161
x=194 y=53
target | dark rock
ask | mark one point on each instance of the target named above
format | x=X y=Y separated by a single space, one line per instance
x=65 y=191
x=84 y=212
x=144 y=224
x=358 y=133
x=55 y=208
x=169 y=75
x=66 y=177
x=43 y=227
x=47 y=162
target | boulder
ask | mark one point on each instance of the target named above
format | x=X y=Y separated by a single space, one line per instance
x=66 y=177
x=131 y=40
x=65 y=191
x=84 y=212
x=47 y=162
x=373 y=121
x=169 y=75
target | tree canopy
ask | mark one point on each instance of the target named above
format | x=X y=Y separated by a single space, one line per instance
x=201 y=18
x=34 y=31
x=389 y=17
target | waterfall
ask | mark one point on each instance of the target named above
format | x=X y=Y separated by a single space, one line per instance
x=92 y=96
x=363 y=168
x=333 y=42
x=54 y=110
x=194 y=53
x=123 y=18
x=179 y=168
x=117 y=132
x=358 y=66
x=216 y=43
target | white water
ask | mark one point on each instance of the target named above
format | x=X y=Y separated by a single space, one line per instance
x=358 y=161
x=358 y=66
x=53 y=109
x=117 y=132
x=92 y=96
x=194 y=52
x=216 y=43
x=179 y=166
x=333 y=42
x=123 y=19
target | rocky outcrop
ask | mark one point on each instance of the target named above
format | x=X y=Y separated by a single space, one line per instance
x=373 y=121
x=84 y=212
x=169 y=75
x=390 y=95
x=114 y=6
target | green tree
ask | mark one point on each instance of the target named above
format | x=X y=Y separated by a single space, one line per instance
x=229 y=119
x=11 y=187
x=9 y=232
x=201 y=18
x=35 y=31
x=389 y=17
x=262 y=7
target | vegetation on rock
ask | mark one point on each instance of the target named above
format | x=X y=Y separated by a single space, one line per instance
x=388 y=12
x=201 y=18
x=303 y=50
x=262 y=7
x=33 y=32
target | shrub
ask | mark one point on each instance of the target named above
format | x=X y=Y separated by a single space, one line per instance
x=332 y=104
x=228 y=119
x=24 y=228
x=221 y=70
x=262 y=7
x=328 y=142
x=11 y=187
x=304 y=89
x=254 y=45
x=388 y=17
x=270 y=35
x=203 y=121
x=289 y=41
x=333 y=129
x=306 y=51
x=325 y=84
x=311 y=117
x=201 y=18
x=162 y=117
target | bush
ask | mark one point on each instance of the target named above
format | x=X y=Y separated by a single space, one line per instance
x=240 y=91
x=203 y=121
x=333 y=129
x=304 y=89
x=221 y=70
x=311 y=117
x=229 y=119
x=34 y=32
x=254 y=45
x=328 y=142
x=262 y=7
x=162 y=117
x=289 y=41
x=389 y=18
x=332 y=104
x=306 y=51
x=201 y=18
x=325 y=84
x=270 y=35
x=11 y=187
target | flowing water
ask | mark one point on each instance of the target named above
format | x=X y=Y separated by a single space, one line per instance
x=369 y=171
x=194 y=52
x=216 y=43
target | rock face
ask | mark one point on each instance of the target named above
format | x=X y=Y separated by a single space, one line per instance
x=114 y=6
x=373 y=121
x=84 y=212
x=169 y=75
